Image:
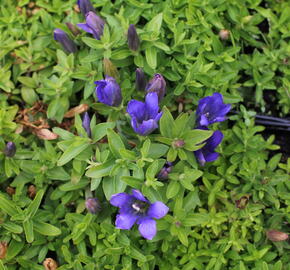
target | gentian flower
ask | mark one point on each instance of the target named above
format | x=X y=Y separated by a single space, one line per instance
x=85 y=6
x=62 y=37
x=10 y=149
x=167 y=168
x=136 y=208
x=133 y=39
x=157 y=85
x=144 y=116
x=93 y=205
x=109 y=92
x=86 y=124
x=207 y=153
x=140 y=82
x=94 y=25
x=211 y=109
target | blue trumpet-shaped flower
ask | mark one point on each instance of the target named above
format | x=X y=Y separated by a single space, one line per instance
x=62 y=37
x=211 y=109
x=85 y=6
x=94 y=25
x=136 y=208
x=144 y=116
x=108 y=91
x=207 y=152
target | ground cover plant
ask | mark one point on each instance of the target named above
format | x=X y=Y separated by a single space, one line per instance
x=130 y=136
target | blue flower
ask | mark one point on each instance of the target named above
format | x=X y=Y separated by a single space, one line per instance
x=144 y=116
x=211 y=109
x=109 y=92
x=86 y=124
x=207 y=153
x=136 y=208
x=94 y=25
x=85 y=6
x=62 y=37
x=157 y=84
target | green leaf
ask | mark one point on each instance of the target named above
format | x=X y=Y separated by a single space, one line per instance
x=8 y=206
x=182 y=236
x=12 y=227
x=78 y=145
x=93 y=43
x=132 y=181
x=34 y=205
x=14 y=248
x=100 y=130
x=196 y=219
x=166 y=123
x=115 y=142
x=46 y=228
x=151 y=57
x=101 y=170
x=172 y=189
x=28 y=230
x=194 y=137
x=155 y=23
x=157 y=150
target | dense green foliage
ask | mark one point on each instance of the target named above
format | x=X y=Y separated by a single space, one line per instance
x=219 y=213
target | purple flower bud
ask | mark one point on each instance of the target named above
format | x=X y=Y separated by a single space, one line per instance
x=86 y=124
x=178 y=143
x=94 y=25
x=109 y=92
x=10 y=149
x=67 y=44
x=276 y=236
x=167 y=168
x=85 y=6
x=93 y=205
x=140 y=80
x=157 y=85
x=133 y=39
x=73 y=28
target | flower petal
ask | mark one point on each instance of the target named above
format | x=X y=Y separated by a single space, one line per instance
x=152 y=107
x=200 y=157
x=157 y=210
x=214 y=140
x=211 y=156
x=85 y=27
x=146 y=127
x=137 y=109
x=125 y=221
x=120 y=199
x=147 y=228
x=138 y=195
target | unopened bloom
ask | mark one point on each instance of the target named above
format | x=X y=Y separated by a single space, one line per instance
x=109 y=92
x=136 y=208
x=62 y=37
x=94 y=25
x=157 y=85
x=207 y=152
x=93 y=205
x=167 y=168
x=74 y=30
x=276 y=236
x=85 y=6
x=10 y=149
x=141 y=81
x=86 y=124
x=144 y=116
x=211 y=109
x=133 y=39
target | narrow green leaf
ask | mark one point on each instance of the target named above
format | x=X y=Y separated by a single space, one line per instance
x=28 y=230
x=166 y=123
x=115 y=142
x=46 y=228
x=34 y=205
x=8 y=206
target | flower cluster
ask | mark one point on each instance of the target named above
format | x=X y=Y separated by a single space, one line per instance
x=210 y=110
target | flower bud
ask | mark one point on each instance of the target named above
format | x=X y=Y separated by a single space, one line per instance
x=93 y=205
x=133 y=39
x=74 y=30
x=67 y=44
x=163 y=174
x=157 y=85
x=50 y=264
x=86 y=124
x=85 y=6
x=276 y=236
x=3 y=249
x=178 y=143
x=109 y=92
x=224 y=34
x=140 y=80
x=10 y=149
x=110 y=69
